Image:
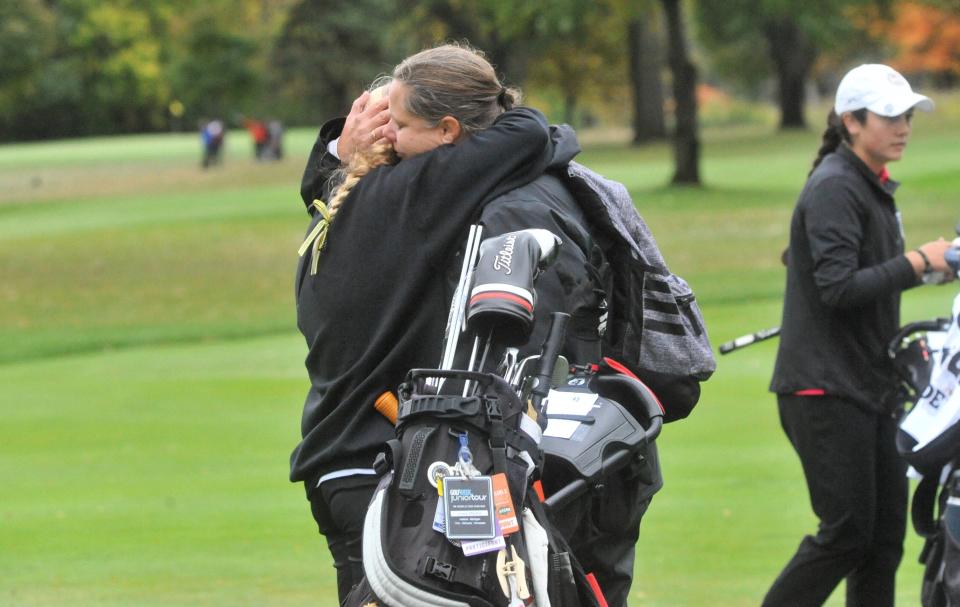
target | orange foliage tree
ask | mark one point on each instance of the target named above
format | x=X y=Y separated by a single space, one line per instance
x=926 y=39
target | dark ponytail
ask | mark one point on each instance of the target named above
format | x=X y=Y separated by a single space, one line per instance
x=508 y=98
x=835 y=134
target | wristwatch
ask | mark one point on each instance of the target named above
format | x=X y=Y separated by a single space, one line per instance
x=927 y=267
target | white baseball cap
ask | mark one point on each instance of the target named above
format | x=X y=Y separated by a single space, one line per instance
x=880 y=89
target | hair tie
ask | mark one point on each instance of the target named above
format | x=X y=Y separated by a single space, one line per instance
x=502 y=98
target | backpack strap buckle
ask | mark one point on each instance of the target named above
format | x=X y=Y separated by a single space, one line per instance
x=434 y=568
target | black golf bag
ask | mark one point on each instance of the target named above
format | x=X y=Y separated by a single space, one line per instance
x=458 y=518
x=926 y=356
x=485 y=541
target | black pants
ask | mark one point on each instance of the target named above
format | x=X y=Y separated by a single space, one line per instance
x=858 y=489
x=339 y=507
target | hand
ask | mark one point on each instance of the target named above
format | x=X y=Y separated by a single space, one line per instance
x=935 y=252
x=363 y=126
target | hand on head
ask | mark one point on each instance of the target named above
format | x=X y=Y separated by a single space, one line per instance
x=364 y=124
x=439 y=96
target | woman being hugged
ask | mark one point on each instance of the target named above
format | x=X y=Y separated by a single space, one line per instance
x=371 y=301
x=836 y=390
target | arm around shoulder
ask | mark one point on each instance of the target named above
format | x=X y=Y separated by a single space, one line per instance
x=321 y=164
x=513 y=151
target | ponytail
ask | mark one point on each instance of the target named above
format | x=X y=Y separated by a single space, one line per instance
x=835 y=134
x=508 y=98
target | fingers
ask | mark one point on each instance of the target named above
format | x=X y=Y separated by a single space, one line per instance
x=360 y=103
x=377 y=123
x=378 y=133
x=377 y=106
x=935 y=251
x=359 y=128
x=370 y=126
x=375 y=115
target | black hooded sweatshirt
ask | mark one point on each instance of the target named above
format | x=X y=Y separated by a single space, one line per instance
x=377 y=305
x=572 y=284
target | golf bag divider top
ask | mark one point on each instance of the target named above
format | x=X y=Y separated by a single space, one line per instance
x=609 y=435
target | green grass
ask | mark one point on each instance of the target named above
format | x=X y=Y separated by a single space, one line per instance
x=152 y=375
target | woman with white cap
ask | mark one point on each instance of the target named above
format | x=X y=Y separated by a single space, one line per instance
x=836 y=391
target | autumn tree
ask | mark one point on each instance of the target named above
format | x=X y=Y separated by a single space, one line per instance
x=27 y=40
x=686 y=138
x=211 y=71
x=925 y=39
x=82 y=67
x=645 y=50
x=580 y=55
x=794 y=35
x=327 y=52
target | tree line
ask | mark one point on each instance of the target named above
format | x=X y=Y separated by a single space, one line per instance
x=84 y=67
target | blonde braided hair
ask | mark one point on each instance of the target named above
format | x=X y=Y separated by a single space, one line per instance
x=361 y=163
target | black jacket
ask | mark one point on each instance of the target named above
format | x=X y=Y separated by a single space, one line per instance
x=572 y=283
x=320 y=165
x=377 y=305
x=845 y=272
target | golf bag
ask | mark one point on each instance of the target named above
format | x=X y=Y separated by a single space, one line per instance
x=929 y=435
x=935 y=514
x=455 y=520
x=458 y=518
x=929 y=440
x=485 y=541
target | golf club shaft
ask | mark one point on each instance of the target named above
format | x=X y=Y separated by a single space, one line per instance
x=455 y=316
x=745 y=340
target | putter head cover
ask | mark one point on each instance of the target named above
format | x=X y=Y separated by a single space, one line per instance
x=502 y=298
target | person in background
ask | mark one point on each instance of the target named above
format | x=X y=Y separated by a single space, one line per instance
x=260 y=136
x=275 y=141
x=211 y=136
x=836 y=390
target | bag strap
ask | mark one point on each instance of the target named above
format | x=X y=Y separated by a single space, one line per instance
x=412 y=463
x=922 y=513
x=498 y=443
x=559 y=546
x=389 y=457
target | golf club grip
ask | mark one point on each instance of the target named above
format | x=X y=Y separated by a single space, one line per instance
x=952 y=257
x=549 y=354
